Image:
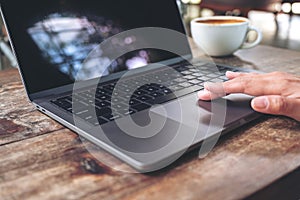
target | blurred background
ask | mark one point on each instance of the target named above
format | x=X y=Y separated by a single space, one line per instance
x=279 y=21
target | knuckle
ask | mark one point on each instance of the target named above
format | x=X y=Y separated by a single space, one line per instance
x=279 y=106
x=284 y=84
x=278 y=74
x=283 y=80
x=244 y=83
x=282 y=76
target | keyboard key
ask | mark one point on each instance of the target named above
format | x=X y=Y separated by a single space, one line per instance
x=170 y=83
x=212 y=75
x=100 y=91
x=134 y=102
x=118 y=106
x=91 y=101
x=109 y=87
x=151 y=89
x=186 y=72
x=140 y=106
x=103 y=97
x=181 y=68
x=203 y=78
x=87 y=94
x=81 y=112
x=194 y=70
x=140 y=92
x=81 y=103
x=197 y=87
x=144 y=98
x=180 y=80
x=189 y=77
x=195 y=82
x=166 y=91
x=128 y=90
x=198 y=74
x=160 y=87
x=117 y=100
x=87 y=114
x=111 y=117
x=126 y=112
x=101 y=104
x=185 y=85
x=175 y=87
x=216 y=80
x=156 y=94
x=103 y=111
x=118 y=93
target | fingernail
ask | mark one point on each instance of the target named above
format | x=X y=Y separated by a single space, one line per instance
x=203 y=94
x=230 y=73
x=260 y=102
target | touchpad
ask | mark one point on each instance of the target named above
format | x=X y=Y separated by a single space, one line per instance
x=190 y=111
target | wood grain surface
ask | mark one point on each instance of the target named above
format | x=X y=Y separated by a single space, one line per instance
x=40 y=159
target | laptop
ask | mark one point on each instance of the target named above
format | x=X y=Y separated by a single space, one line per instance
x=121 y=74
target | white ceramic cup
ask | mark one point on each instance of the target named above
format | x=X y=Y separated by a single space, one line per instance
x=223 y=35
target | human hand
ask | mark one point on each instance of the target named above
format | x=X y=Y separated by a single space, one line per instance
x=276 y=93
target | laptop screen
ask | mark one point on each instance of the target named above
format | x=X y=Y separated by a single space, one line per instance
x=53 y=38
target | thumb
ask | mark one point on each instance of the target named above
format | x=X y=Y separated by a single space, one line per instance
x=277 y=105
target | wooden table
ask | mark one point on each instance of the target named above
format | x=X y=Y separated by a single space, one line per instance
x=40 y=159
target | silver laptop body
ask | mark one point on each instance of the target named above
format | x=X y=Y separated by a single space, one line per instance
x=66 y=54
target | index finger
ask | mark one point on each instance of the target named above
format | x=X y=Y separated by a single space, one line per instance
x=251 y=84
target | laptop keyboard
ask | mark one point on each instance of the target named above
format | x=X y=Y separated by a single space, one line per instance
x=103 y=104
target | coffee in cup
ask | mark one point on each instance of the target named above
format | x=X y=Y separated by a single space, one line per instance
x=223 y=35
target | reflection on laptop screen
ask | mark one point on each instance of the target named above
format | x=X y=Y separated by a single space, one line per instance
x=53 y=38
